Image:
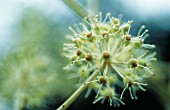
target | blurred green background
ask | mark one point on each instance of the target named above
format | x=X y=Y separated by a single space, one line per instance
x=32 y=33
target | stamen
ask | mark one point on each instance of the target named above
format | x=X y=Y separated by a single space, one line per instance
x=95 y=20
x=141 y=88
x=102 y=100
x=131 y=93
x=84 y=27
x=88 y=92
x=144 y=33
x=143 y=84
x=120 y=16
x=143 y=54
x=77 y=28
x=152 y=59
x=123 y=91
x=87 y=22
x=149 y=70
x=150 y=56
x=98 y=99
x=106 y=17
x=100 y=17
x=117 y=103
x=134 y=92
x=110 y=101
x=114 y=67
x=99 y=91
x=120 y=101
x=72 y=30
x=145 y=36
x=148 y=46
x=140 y=30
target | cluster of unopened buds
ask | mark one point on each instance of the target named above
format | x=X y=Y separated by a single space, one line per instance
x=120 y=59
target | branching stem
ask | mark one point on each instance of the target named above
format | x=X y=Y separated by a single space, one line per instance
x=76 y=7
x=74 y=96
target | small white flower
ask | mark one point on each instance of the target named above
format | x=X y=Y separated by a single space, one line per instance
x=109 y=94
x=106 y=45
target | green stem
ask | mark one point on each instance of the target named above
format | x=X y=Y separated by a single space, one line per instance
x=74 y=96
x=76 y=7
x=93 y=7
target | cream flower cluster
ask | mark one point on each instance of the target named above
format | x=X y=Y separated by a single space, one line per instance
x=106 y=46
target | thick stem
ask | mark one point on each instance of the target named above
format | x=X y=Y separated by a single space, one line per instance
x=93 y=7
x=74 y=96
x=20 y=102
x=76 y=7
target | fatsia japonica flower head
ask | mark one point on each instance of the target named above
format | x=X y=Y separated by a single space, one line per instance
x=106 y=46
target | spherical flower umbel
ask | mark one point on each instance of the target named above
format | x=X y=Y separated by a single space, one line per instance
x=121 y=59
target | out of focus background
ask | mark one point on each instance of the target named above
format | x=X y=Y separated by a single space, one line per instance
x=32 y=33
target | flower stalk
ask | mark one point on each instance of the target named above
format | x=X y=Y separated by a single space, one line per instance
x=76 y=7
x=74 y=96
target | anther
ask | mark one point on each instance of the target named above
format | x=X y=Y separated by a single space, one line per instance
x=144 y=64
x=79 y=52
x=108 y=14
x=102 y=80
x=141 y=41
x=130 y=83
x=134 y=63
x=106 y=55
x=127 y=37
x=75 y=41
x=89 y=35
x=116 y=21
x=89 y=57
x=105 y=34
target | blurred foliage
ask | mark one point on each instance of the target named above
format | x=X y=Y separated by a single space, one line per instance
x=32 y=71
x=160 y=84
